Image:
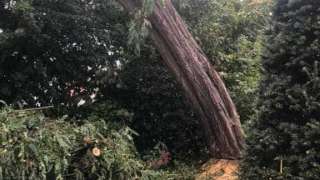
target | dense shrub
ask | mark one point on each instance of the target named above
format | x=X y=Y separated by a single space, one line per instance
x=287 y=128
x=160 y=111
x=35 y=147
x=53 y=49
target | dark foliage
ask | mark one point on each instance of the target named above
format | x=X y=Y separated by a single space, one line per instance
x=160 y=111
x=49 y=48
x=288 y=124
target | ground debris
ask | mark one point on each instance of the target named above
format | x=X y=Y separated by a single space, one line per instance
x=219 y=169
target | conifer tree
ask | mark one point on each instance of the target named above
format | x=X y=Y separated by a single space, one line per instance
x=283 y=141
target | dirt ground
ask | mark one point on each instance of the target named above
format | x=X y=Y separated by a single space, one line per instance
x=219 y=170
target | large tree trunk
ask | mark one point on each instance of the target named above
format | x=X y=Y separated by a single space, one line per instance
x=200 y=82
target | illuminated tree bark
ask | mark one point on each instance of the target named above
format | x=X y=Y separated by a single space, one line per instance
x=201 y=83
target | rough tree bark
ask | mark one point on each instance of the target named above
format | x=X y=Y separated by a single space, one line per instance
x=200 y=82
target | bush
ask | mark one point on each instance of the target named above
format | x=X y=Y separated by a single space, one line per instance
x=57 y=52
x=35 y=147
x=160 y=112
x=287 y=128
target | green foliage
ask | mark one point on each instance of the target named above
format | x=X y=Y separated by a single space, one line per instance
x=230 y=34
x=139 y=26
x=160 y=112
x=51 y=47
x=287 y=126
x=35 y=147
x=22 y=6
x=40 y=64
x=138 y=31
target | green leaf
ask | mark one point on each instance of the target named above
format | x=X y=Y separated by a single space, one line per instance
x=33 y=149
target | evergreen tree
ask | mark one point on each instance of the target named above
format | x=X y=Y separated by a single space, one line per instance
x=283 y=141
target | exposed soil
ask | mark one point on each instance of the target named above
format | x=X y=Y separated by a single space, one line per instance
x=219 y=169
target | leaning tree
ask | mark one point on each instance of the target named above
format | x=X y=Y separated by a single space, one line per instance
x=200 y=82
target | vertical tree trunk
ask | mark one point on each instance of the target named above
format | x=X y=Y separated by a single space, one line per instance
x=200 y=82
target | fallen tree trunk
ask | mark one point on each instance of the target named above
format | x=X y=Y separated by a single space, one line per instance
x=200 y=82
